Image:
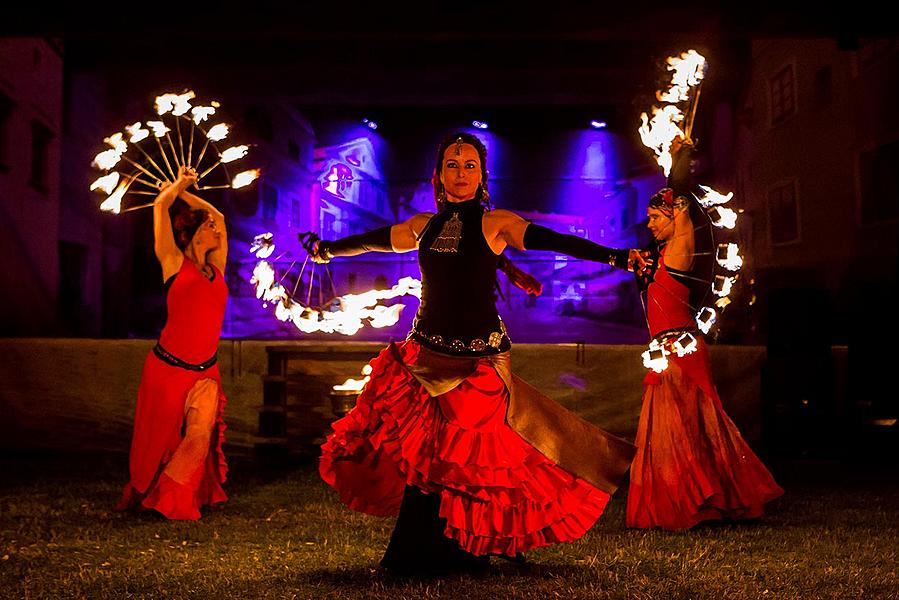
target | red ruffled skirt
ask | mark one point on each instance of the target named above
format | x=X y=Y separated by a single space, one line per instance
x=158 y=430
x=692 y=464
x=498 y=494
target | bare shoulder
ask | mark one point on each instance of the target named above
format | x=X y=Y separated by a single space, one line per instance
x=501 y=219
x=501 y=215
x=171 y=265
x=418 y=222
x=404 y=236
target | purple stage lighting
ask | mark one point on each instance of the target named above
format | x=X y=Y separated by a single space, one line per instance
x=479 y=124
x=595 y=124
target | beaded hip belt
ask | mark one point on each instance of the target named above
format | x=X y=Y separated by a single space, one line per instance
x=491 y=344
x=170 y=359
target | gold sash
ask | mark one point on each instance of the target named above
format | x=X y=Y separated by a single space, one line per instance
x=577 y=446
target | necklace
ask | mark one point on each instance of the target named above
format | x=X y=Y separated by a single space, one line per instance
x=448 y=238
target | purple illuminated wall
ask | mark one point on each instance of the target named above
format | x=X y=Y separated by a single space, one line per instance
x=579 y=182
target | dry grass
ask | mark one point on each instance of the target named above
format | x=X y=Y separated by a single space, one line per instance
x=834 y=535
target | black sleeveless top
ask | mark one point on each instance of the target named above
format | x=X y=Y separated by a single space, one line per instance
x=457 y=314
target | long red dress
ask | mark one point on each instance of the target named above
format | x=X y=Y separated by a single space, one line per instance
x=692 y=464
x=196 y=308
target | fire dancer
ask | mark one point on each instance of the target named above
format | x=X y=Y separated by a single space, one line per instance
x=475 y=461
x=692 y=464
x=176 y=460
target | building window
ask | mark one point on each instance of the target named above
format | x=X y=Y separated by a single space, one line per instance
x=246 y=200
x=328 y=221
x=6 y=111
x=783 y=95
x=269 y=202
x=294 y=212
x=783 y=214
x=879 y=184
x=41 y=137
x=823 y=87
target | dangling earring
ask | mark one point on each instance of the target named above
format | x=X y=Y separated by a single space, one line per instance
x=485 y=197
x=441 y=196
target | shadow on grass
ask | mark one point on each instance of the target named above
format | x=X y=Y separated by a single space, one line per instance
x=498 y=570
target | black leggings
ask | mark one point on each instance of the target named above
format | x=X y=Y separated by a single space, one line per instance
x=418 y=545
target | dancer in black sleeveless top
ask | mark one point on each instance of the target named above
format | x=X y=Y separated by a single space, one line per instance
x=475 y=461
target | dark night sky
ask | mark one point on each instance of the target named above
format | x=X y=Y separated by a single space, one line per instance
x=587 y=54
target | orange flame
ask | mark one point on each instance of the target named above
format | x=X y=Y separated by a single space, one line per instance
x=217 y=132
x=656 y=357
x=711 y=197
x=158 y=127
x=177 y=104
x=234 y=153
x=113 y=204
x=688 y=70
x=658 y=133
x=244 y=178
x=117 y=142
x=705 y=318
x=728 y=256
x=137 y=133
x=354 y=385
x=106 y=159
x=201 y=113
x=106 y=183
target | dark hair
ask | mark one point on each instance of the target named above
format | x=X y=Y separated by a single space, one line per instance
x=185 y=222
x=663 y=200
x=466 y=138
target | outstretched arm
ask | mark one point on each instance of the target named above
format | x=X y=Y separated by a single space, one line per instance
x=401 y=237
x=514 y=231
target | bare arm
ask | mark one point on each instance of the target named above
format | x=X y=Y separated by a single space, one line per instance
x=219 y=256
x=404 y=236
x=504 y=228
x=680 y=248
x=167 y=252
x=401 y=237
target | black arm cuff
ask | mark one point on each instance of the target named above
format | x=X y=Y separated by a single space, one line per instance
x=680 y=177
x=377 y=240
x=537 y=237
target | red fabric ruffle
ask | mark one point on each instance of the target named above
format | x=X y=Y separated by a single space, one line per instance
x=497 y=492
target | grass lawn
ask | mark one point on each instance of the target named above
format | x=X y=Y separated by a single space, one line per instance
x=285 y=535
